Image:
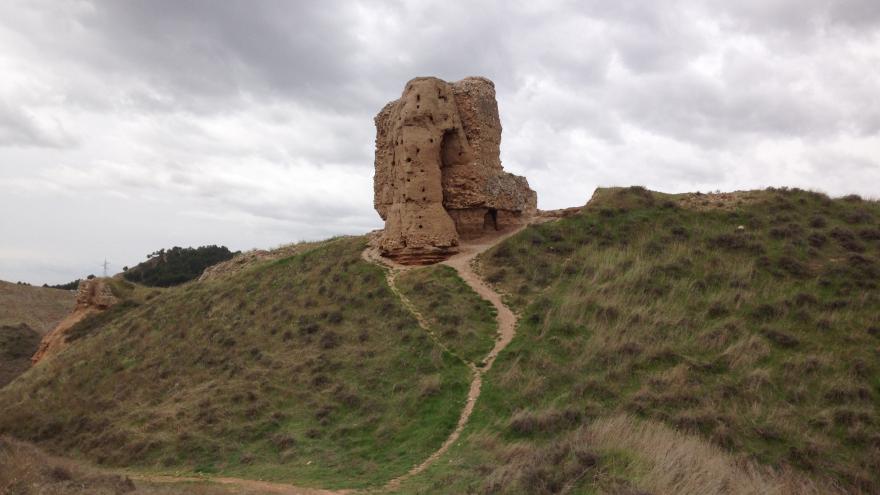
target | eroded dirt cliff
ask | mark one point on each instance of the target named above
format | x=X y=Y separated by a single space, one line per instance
x=92 y=296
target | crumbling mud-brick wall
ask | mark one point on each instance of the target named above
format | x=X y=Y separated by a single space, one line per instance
x=438 y=170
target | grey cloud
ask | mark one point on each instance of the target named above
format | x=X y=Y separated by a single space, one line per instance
x=795 y=22
x=250 y=123
x=17 y=128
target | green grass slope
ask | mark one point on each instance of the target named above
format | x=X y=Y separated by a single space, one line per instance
x=460 y=319
x=304 y=369
x=751 y=328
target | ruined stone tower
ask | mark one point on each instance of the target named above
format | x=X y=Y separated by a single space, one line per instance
x=438 y=170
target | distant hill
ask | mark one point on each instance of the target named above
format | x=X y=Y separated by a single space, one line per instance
x=40 y=308
x=165 y=268
x=27 y=313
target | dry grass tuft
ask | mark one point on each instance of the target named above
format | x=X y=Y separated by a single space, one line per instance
x=674 y=462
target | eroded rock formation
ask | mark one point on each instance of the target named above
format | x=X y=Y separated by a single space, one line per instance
x=92 y=296
x=438 y=170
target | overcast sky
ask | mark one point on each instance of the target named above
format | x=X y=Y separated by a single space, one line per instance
x=128 y=126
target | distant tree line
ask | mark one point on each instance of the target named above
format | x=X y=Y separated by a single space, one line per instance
x=167 y=267
x=68 y=286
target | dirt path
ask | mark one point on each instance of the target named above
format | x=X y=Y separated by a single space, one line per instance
x=243 y=486
x=463 y=264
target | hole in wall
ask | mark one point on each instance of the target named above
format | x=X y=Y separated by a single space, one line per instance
x=490 y=220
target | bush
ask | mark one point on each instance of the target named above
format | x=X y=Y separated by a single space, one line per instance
x=736 y=242
x=781 y=339
x=847 y=239
x=818 y=222
x=764 y=312
x=330 y=340
x=793 y=267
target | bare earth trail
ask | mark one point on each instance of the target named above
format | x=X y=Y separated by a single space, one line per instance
x=463 y=265
x=243 y=486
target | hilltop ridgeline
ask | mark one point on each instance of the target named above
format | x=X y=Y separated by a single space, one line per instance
x=684 y=343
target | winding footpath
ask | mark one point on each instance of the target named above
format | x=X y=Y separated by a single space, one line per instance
x=463 y=264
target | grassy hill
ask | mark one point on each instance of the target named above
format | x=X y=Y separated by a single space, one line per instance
x=707 y=331
x=306 y=368
x=724 y=343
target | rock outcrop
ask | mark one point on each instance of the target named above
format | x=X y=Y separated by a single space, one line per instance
x=92 y=296
x=438 y=170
